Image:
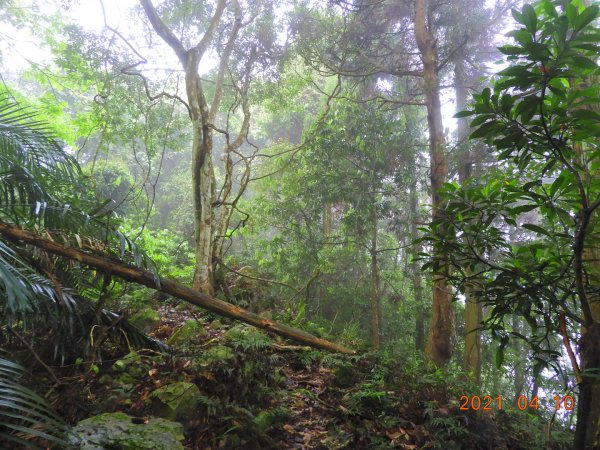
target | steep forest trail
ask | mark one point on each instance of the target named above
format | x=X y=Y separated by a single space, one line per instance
x=259 y=393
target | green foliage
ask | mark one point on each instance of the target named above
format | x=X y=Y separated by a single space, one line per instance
x=522 y=229
x=369 y=399
x=171 y=255
x=348 y=169
x=246 y=375
x=25 y=417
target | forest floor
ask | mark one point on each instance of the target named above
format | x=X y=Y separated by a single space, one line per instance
x=259 y=393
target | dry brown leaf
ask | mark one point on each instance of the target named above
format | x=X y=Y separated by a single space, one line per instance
x=393 y=435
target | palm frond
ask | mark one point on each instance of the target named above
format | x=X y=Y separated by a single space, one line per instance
x=41 y=187
x=33 y=165
x=25 y=417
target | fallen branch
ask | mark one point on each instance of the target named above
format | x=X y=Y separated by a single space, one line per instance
x=128 y=272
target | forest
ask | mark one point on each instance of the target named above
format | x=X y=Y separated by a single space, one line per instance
x=299 y=224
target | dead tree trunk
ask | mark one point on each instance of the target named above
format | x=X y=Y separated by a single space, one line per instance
x=140 y=276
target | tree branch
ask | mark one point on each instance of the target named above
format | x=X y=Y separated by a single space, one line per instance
x=165 y=32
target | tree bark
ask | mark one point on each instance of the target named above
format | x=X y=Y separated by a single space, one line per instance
x=473 y=310
x=520 y=359
x=374 y=291
x=472 y=355
x=439 y=346
x=416 y=270
x=587 y=431
x=128 y=272
x=327 y=219
x=587 y=428
x=203 y=187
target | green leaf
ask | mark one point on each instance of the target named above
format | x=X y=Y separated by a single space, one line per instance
x=527 y=107
x=584 y=63
x=585 y=46
x=557 y=184
x=485 y=95
x=536 y=229
x=506 y=103
x=571 y=13
x=586 y=17
x=481 y=118
x=517 y=16
x=460 y=114
x=499 y=356
x=550 y=9
x=523 y=208
x=527 y=186
x=529 y=18
x=586 y=114
x=510 y=50
x=484 y=130
x=515 y=71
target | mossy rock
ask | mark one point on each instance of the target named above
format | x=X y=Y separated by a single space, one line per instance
x=145 y=319
x=176 y=400
x=216 y=325
x=132 y=365
x=219 y=354
x=123 y=432
x=190 y=332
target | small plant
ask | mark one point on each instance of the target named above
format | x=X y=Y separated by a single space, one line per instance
x=368 y=401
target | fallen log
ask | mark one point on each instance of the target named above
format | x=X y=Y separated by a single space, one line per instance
x=140 y=276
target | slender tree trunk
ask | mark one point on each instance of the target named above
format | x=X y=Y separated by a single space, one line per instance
x=327 y=219
x=375 y=313
x=519 y=375
x=473 y=317
x=439 y=345
x=416 y=271
x=473 y=310
x=224 y=212
x=587 y=431
x=203 y=188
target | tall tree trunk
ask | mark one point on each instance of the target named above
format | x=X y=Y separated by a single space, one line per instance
x=590 y=344
x=587 y=431
x=203 y=188
x=416 y=270
x=473 y=317
x=473 y=310
x=439 y=345
x=374 y=294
